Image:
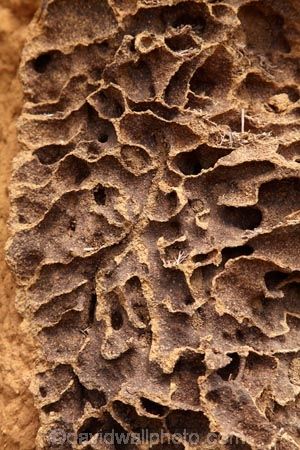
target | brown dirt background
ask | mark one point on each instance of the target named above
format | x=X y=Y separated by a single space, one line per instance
x=18 y=417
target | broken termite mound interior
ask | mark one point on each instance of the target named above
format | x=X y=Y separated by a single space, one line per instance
x=155 y=220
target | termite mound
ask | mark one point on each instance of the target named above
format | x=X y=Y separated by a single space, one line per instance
x=155 y=221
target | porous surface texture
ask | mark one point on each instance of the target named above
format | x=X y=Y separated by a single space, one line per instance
x=155 y=221
x=18 y=417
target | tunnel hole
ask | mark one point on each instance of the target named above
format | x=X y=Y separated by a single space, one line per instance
x=191 y=422
x=134 y=283
x=254 y=86
x=22 y=219
x=109 y=102
x=100 y=195
x=96 y=73
x=90 y=427
x=232 y=369
x=188 y=163
x=240 y=335
x=178 y=84
x=203 y=82
x=264 y=29
x=205 y=258
x=261 y=362
x=244 y=218
x=103 y=46
x=96 y=398
x=214 y=396
x=98 y=129
x=107 y=426
x=291 y=92
x=42 y=62
x=74 y=170
x=116 y=319
x=274 y=278
x=141 y=310
x=153 y=408
x=180 y=42
x=214 y=76
x=72 y=224
x=51 y=154
x=202 y=278
x=226 y=335
x=125 y=412
x=191 y=362
x=43 y=391
x=290 y=152
x=287 y=195
x=172 y=199
x=133 y=289
x=203 y=157
x=191 y=14
x=166 y=203
x=103 y=138
x=92 y=307
x=189 y=300
x=201 y=257
x=235 y=252
x=163 y=111
x=174 y=283
x=81 y=171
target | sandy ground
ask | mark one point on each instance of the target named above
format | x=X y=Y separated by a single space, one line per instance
x=18 y=417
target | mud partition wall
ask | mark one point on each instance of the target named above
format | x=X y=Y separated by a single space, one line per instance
x=155 y=223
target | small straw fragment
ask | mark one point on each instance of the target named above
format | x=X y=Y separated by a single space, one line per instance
x=243 y=121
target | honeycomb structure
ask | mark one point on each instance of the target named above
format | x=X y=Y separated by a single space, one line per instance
x=155 y=221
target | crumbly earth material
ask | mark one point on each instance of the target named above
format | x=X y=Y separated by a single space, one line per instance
x=156 y=224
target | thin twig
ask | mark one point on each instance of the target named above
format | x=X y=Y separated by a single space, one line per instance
x=243 y=121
